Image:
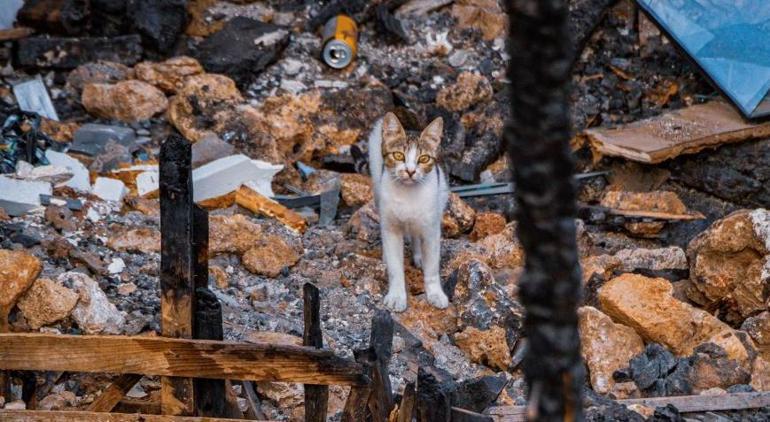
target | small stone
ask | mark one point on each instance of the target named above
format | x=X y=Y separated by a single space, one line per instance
x=758 y=327
x=52 y=402
x=94 y=313
x=232 y=234
x=484 y=15
x=458 y=217
x=470 y=89
x=670 y=258
x=647 y=305
x=486 y=347
x=16 y=405
x=711 y=368
x=46 y=302
x=356 y=189
x=127 y=101
x=271 y=258
x=503 y=250
x=487 y=223
x=91 y=139
x=125 y=289
x=109 y=189
x=209 y=149
x=17 y=272
x=140 y=239
x=221 y=279
x=364 y=224
x=760 y=374
x=103 y=72
x=116 y=266
x=202 y=95
x=61 y=218
x=62 y=132
x=169 y=75
x=458 y=58
x=605 y=346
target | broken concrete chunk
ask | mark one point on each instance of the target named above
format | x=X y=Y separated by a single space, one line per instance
x=458 y=217
x=46 y=302
x=17 y=272
x=227 y=174
x=80 y=179
x=159 y=22
x=110 y=189
x=758 y=328
x=647 y=305
x=147 y=182
x=91 y=138
x=50 y=173
x=730 y=265
x=127 y=101
x=94 y=313
x=683 y=131
x=18 y=197
x=208 y=149
x=605 y=346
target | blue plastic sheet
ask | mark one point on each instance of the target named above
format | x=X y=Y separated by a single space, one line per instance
x=728 y=39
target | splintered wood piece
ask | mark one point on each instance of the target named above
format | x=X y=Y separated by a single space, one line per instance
x=175 y=357
x=177 y=261
x=78 y=416
x=685 y=404
x=684 y=131
x=463 y=415
x=15 y=33
x=114 y=393
x=406 y=407
x=316 y=396
x=259 y=204
x=381 y=343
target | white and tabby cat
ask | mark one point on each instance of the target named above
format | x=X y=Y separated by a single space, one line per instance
x=411 y=192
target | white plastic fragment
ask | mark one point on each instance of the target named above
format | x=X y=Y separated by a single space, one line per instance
x=227 y=174
x=110 y=189
x=18 y=197
x=80 y=178
x=147 y=182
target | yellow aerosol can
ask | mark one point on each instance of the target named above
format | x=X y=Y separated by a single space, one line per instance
x=340 y=41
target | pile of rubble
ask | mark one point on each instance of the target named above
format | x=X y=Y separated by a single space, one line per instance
x=675 y=249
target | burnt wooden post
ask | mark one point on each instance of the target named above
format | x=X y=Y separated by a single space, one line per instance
x=177 y=261
x=316 y=396
x=433 y=403
x=381 y=343
x=538 y=145
x=210 y=397
x=406 y=407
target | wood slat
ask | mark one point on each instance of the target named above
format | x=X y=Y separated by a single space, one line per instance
x=316 y=396
x=685 y=404
x=65 y=416
x=114 y=393
x=176 y=357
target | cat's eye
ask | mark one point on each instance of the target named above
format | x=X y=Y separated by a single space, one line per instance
x=424 y=159
x=398 y=156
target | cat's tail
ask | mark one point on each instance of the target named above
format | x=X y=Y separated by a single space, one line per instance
x=360 y=160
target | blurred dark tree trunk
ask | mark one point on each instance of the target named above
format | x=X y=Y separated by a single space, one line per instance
x=538 y=144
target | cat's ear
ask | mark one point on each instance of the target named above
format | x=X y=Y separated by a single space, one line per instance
x=433 y=132
x=391 y=129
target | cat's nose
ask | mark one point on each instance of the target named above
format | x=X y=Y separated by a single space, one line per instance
x=410 y=172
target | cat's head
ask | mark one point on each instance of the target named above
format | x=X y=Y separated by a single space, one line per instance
x=410 y=156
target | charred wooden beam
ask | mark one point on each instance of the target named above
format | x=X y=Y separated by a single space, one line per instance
x=79 y=416
x=537 y=138
x=316 y=396
x=462 y=415
x=178 y=261
x=114 y=393
x=209 y=394
x=584 y=17
x=406 y=407
x=176 y=357
x=433 y=402
x=69 y=17
x=381 y=344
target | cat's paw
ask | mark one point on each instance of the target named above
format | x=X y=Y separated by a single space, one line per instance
x=437 y=298
x=395 y=301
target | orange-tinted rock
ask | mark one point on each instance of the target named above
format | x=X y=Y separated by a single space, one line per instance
x=647 y=305
x=487 y=223
x=758 y=328
x=364 y=224
x=503 y=250
x=99 y=72
x=486 y=347
x=605 y=346
x=355 y=189
x=458 y=217
x=46 y=302
x=470 y=89
x=221 y=279
x=61 y=132
x=426 y=321
x=169 y=75
x=485 y=15
x=127 y=101
x=760 y=374
x=202 y=103
x=600 y=265
x=270 y=257
x=730 y=264
x=232 y=234
x=658 y=201
x=141 y=239
x=17 y=272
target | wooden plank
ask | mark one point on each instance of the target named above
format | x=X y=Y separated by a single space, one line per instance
x=15 y=33
x=177 y=358
x=254 y=412
x=78 y=416
x=685 y=404
x=381 y=344
x=316 y=396
x=463 y=415
x=262 y=205
x=684 y=131
x=114 y=393
x=177 y=260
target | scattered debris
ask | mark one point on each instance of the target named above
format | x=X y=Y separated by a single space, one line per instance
x=18 y=270
x=18 y=197
x=110 y=189
x=259 y=204
x=46 y=302
x=91 y=139
x=94 y=313
x=32 y=96
x=227 y=174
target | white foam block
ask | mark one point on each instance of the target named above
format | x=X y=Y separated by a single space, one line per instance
x=110 y=189
x=80 y=179
x=227 y=174
x=18 y=197
x=147 y=182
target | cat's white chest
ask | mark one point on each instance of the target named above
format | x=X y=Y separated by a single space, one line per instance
x=411 y=205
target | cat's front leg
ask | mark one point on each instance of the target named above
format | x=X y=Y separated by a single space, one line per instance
x=393 y=254
x=431 y=254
